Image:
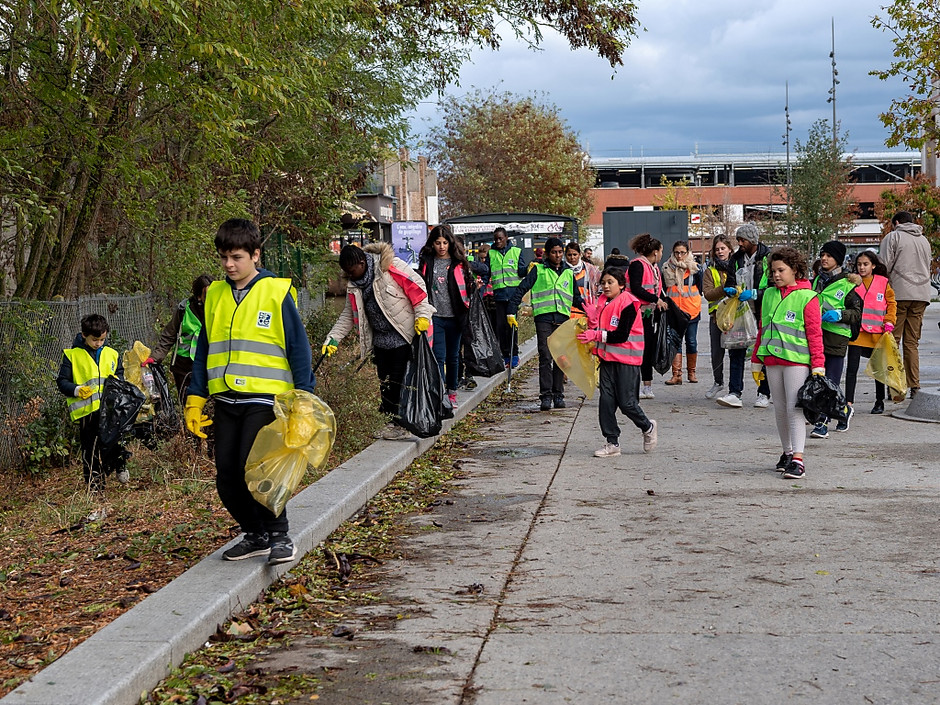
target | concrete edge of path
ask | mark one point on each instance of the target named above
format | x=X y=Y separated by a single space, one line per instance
x=126 y=659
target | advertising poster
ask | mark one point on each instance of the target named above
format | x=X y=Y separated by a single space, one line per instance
x=408 y=237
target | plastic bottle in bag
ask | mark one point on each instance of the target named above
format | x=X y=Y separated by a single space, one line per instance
x=147 y=377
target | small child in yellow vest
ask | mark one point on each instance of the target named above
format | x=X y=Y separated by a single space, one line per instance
x=82 y=373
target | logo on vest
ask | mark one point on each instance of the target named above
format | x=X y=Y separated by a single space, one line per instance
x=790 y=317
x=240 y=381
x=615 y=321
x=879 y=297
x=264 y=319
x=840 y=294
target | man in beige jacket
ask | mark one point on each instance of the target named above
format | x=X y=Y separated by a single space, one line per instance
x=906 y=253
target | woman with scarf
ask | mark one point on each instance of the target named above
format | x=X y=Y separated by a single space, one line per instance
x=713 y=283
x=682 y=281
x=587 y=277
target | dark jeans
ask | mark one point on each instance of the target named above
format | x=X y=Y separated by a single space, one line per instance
x=834 y=366
x=691 y=336
x=717 y=352
x=649 y=349
x=736 y=360
x=97 y=462
x=504 y=331
x=551 y=376
x=856 y=352
x=447 y=335
x=619 y=386
x=390 y=364
x=236 y=426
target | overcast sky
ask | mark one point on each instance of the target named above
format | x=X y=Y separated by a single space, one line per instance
x=707 y=76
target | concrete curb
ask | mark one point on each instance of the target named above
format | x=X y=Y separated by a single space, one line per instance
x=131 y=655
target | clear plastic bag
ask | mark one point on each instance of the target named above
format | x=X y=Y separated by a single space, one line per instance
x=726 y=312
x=743 y=331
x=573 y=356
x=887 y=366
x=301 y=435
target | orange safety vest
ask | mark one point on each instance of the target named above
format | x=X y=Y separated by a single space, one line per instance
x=686 y=295
x=630 y=352
x=875 y=304
x=652 y=281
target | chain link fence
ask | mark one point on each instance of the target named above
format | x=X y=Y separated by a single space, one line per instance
x=33 y=335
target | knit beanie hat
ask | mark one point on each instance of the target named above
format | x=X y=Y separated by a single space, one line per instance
x=748 y=232
x=834 y=249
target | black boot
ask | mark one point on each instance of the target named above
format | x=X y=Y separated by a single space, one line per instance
x=878 y=408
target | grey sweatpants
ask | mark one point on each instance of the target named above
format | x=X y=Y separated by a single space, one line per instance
x=619 y=386
x=785 y=381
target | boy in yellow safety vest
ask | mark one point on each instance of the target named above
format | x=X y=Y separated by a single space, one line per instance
x=252 y=347
x=84 y=368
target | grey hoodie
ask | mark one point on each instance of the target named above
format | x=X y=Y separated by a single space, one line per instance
x=906 y=253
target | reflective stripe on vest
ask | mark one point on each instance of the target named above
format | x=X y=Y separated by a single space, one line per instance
x=247 y=348
x=652 y=282
x=874 y=304
x=88 y=373
x=686 y=296
x=504 y=269
x=462 y=285
x=629 y=352
x=552 y=292
x=783 y=330
x=716 y=282
x=189 y=334
x=832 y=298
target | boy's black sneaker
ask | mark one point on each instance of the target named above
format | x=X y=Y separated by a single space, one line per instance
x=546 y=405
x=794 y=471
x=282 y=548
x=785 y=459
x=878 y=408
x=843 y=426
x=251 y=545
x=559 y=402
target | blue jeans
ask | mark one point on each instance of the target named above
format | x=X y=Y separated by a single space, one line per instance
x=691 y=336
x=736 y=360
x=447 y=334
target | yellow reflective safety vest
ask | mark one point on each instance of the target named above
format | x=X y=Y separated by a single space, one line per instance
x=88 y=373
x=552 y=292
x=189 y=334
x=247 y=347
x=504 y=269
x=783 y=329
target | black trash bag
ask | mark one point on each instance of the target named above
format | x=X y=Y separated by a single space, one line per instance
x=667 y=344
x=678 y=319
x=819 y=397
x=166 y=420
x=120 y=403
x=482 y=355
x=422 y=391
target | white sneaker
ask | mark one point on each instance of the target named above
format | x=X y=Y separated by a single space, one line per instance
x=714 y=391
x=123 y=477
x=650 y=438
x=646 y=392
x=609 y=450
x=763 y=401
x=729 y=399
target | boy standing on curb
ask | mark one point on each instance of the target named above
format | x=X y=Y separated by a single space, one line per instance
x=84 y=368
x=253 y=346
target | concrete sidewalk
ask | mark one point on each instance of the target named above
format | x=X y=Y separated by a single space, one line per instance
x=694 y=574
x=132 y=654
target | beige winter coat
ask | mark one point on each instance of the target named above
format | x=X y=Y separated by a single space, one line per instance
x=906 y=253
x=399 y=292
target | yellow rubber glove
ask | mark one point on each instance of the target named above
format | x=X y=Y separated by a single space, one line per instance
x=421 y=325
x=757 y=372
x=329 y=347
x=195 y=419
x=511 y=320
x=84 y=392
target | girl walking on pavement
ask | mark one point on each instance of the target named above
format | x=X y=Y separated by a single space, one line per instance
x=618 y=340
x=713 y=288
x=879 y=314
x=646 y=284
x=789 y=344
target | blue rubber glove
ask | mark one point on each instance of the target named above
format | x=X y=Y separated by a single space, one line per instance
x=747 y=295
x=832 y=316
x=731 y=291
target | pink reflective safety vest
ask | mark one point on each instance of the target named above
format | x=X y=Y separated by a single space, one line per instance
x=630 y=352
x=652 y=281
x=874 y=304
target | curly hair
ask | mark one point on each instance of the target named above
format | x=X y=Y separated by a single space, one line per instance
x=645 y=244
x=791 y=257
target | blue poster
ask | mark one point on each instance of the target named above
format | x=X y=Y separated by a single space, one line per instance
x=408 y=237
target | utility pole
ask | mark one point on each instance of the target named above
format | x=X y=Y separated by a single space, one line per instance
x=835 y=82
x=786 y=142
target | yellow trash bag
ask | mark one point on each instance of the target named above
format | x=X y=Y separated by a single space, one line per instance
x=134 y=373
x=887 y=366
x=728 y=310
x=301 y=435
x=574 y=357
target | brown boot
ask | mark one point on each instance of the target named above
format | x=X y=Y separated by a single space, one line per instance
x=676 y=370
x=692 y=358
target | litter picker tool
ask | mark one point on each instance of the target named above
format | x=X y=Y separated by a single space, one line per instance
x=512 y=342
